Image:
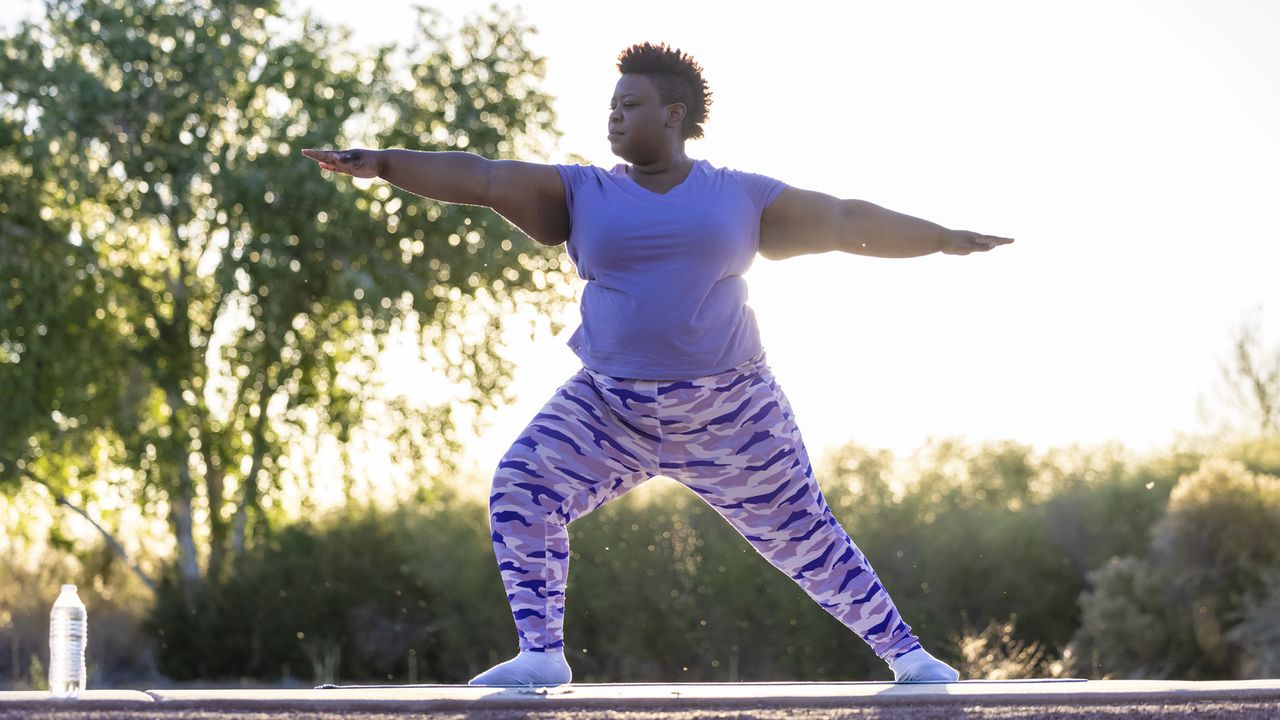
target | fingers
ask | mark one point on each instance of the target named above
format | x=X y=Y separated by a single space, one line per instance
x=328 y=159
x=355 y=162
x=320 y=156
x=987 y=242
x=969 y=242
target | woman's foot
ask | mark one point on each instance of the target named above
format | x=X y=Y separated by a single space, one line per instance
x=919 y=666
x=528 y=668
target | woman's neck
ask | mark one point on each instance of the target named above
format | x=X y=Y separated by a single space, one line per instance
x=677 y=164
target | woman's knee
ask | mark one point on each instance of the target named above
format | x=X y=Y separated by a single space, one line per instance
x=520 y=482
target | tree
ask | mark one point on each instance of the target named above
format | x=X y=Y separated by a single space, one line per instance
x=187 y=296
x=1253 y=378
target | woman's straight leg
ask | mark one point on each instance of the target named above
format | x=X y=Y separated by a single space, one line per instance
x=733 y=439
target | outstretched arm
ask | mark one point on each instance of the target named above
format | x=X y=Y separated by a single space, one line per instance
x=529 y=195
x=803 y=222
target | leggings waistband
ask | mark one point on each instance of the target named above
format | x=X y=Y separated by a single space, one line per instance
x=755 y=362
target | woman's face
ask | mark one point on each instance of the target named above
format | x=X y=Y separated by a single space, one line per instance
x=640 y=126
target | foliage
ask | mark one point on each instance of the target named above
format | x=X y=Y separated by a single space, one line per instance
x=188 y=297
x=662 y=589
x=657 y=578
x=1196 y=604
x=1127 y=630
x=362 y=593
x=1252 y=378
x=996 y=653
x=1258 y=633
x=990 y=531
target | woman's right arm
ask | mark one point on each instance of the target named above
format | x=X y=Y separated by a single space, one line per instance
x=529 y=195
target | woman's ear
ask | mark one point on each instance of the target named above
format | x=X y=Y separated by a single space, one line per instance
x=675 y=114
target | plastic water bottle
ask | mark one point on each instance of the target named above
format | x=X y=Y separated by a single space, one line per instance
x=68 y=634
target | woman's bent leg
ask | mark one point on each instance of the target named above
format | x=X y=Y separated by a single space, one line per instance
x=575 y=455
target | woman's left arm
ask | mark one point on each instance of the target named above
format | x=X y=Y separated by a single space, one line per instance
x=804 y=222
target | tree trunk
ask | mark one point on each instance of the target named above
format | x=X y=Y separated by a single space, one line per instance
x=180 y=499
x=214 y=476
x=183 y=530
x=249 y=488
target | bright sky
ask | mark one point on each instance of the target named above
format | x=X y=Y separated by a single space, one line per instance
x=1129 y=147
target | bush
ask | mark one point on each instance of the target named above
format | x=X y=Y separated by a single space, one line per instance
x=1128 y=628
x=358 y=595
x=661 y=588
x=1258 y=634
x=996 y=653
x=1185 y=608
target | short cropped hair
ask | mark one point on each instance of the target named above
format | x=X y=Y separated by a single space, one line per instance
x=678 y=78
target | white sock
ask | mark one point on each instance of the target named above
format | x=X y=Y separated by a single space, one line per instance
x=919 y=666
x=528 y=668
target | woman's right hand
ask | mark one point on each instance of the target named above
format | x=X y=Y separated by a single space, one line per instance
x=356 y=162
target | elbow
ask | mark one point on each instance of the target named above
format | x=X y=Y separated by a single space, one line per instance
x=486 y=182
x=768 y=252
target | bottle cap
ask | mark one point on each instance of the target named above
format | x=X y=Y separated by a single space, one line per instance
x=68 y=588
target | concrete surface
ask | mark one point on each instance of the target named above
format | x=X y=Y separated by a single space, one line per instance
x=88 y=696
x=1074 y=699
x=757 y=695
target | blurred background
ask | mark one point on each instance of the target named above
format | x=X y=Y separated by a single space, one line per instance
x=252 y=409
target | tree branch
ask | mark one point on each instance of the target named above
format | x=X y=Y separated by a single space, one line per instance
x=111 y=541
x=106 y=534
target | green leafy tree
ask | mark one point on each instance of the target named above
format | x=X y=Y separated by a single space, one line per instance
x=186 y=298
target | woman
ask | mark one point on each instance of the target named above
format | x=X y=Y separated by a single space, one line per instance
x=674 y=379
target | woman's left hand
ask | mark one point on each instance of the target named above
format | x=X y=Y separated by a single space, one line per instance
x=963 y=242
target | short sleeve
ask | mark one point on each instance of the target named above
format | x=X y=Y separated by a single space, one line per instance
x=760 y=188
x=572 y=176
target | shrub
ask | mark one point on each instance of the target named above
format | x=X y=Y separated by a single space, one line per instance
x=996 y=653
x=1258 y=633
x=1194 y=604
x=348 y=596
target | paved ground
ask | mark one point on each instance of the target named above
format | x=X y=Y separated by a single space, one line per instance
x=1258 y=710
x=680 y=701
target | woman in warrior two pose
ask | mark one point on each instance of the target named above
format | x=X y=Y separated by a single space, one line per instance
x=674 y=379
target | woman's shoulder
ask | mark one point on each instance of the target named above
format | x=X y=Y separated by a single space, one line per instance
x=762 y=189
x=728 y=169
x=738 y=175
x=589 y=173
x=591 y=168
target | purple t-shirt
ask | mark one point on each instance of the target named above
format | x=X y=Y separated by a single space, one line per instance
x=665 y=297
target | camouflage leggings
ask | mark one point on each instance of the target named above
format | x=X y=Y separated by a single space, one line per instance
x=730 y=437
